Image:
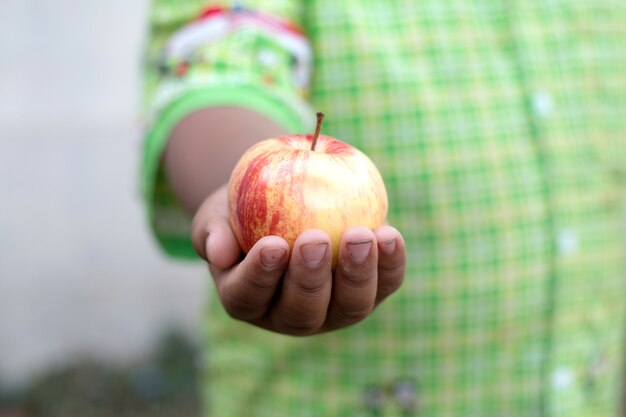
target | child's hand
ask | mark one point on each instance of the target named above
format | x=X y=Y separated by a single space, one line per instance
x=298 y=294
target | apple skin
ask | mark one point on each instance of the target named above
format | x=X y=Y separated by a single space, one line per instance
x=281 y=187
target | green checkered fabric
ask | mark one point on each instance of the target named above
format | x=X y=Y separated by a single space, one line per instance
x=500 y=130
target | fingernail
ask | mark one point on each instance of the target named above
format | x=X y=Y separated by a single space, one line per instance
x=358 y=251
x=207 y=247
x=272 y=257
x=388 y=247
x=313 y=253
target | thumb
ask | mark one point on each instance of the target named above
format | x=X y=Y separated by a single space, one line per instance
x=212 y=236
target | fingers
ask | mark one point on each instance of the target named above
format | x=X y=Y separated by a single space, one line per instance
x=354 y=286
x=391 y=261
x=305 y=293
x=248 y=290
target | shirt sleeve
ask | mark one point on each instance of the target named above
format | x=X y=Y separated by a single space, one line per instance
x=224 y=54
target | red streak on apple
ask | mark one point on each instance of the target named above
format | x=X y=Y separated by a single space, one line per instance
x=281 y=187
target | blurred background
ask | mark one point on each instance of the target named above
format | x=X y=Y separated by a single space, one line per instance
x=93 y=319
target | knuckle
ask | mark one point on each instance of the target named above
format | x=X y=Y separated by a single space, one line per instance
x=238 y=308
x=392 y=271
x=310 y=288
x=388 y=289
x=356 y=279
x=388 y=286
x=299 y=326
x=262 y=283
x=352 y=316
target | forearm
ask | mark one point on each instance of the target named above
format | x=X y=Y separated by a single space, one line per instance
x=205 y=146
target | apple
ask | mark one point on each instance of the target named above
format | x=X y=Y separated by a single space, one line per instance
x=286 y=185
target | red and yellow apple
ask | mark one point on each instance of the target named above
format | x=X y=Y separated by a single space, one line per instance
x=286 y=185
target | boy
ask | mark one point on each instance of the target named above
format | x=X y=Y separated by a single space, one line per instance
x=499 y=130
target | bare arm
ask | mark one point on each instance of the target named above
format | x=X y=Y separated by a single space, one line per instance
x=205 y=146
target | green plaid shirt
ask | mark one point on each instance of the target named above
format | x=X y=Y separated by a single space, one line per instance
x=500 y=130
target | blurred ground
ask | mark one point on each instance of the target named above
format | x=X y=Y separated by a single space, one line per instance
x=164 y=384
x=80 y=277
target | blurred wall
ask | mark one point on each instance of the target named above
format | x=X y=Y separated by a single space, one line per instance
x=79 y=273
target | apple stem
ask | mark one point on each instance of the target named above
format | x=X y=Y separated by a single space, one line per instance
x=320 y=119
